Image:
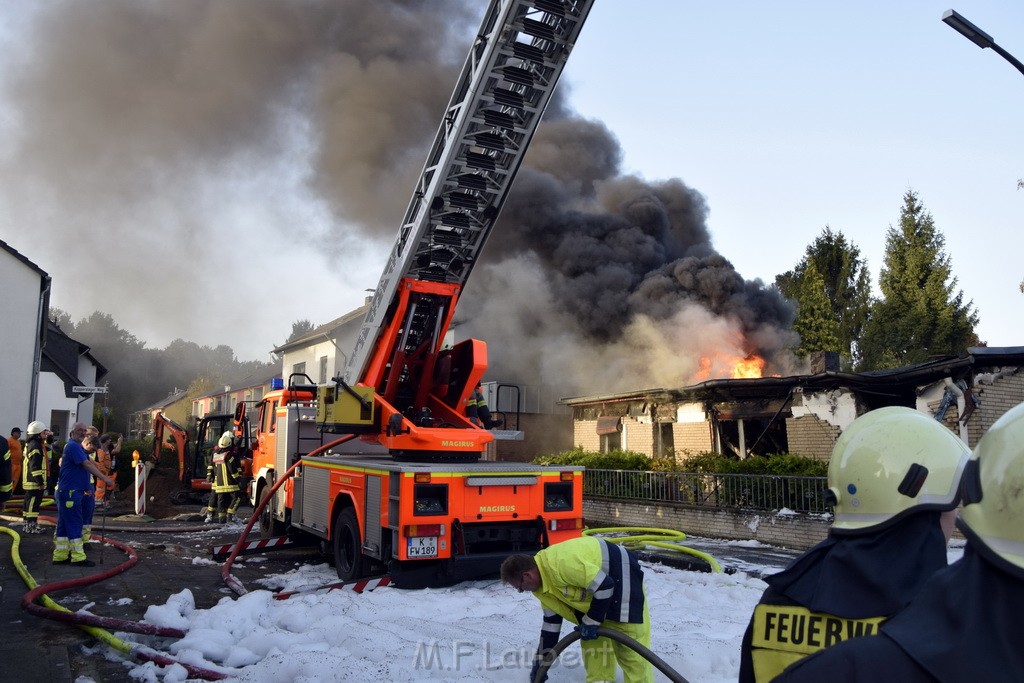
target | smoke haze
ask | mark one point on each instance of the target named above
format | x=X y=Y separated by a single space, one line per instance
x=214 y=170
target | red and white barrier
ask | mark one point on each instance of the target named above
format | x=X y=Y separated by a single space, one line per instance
x=221 y=551
x=355 y=586
x=140 y=484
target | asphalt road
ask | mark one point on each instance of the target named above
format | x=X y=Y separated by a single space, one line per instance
x=173 y=554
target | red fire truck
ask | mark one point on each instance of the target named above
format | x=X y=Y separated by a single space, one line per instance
x=415 y=499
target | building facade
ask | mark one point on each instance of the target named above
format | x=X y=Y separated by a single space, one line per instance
x=802 y=415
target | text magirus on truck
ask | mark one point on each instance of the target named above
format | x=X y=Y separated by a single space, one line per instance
x=425 y=508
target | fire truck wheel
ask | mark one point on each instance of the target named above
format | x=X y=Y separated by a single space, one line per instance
x=348 y=556
x=269 y=527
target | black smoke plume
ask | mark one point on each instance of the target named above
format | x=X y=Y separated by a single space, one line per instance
x=216 y=150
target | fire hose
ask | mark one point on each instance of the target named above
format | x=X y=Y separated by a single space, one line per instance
x=638 y=537
x=229 y=579
x=617 y=636
x=90 y=623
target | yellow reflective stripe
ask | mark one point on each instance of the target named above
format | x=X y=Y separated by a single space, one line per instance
x=783 y=634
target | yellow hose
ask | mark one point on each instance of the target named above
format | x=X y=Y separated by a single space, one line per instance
x=638 y=537
x=98 y=633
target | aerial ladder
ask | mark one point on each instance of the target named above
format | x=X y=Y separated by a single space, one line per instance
x=418 y=386
x=418 y=503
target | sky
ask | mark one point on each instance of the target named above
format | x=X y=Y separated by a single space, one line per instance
x=217 y=171
x=474 y=631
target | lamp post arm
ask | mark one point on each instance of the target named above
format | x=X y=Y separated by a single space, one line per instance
x=1008 y=57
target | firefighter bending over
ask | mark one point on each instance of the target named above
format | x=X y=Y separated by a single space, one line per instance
x=591 y=583
x=894 y=485
x=224 y=470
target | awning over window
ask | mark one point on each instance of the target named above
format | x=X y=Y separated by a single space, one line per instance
x=609 y=425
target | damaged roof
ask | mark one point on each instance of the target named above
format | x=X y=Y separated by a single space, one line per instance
x=893 y=380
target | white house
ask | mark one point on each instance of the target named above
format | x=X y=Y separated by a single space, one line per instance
x=23 y=308
x=322 y=353
x=66 y=364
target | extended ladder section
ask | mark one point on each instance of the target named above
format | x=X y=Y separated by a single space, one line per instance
x=507 y=81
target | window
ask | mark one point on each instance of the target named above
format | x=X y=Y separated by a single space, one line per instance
x=323 y=370
x=299 y=368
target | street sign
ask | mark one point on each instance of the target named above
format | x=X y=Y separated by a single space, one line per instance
x=89 y=390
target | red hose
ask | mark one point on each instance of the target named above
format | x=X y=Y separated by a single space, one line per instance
x=232 y=582
x=28 y=601
x=193 y=670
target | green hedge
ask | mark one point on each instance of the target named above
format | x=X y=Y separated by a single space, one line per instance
x=712 y=463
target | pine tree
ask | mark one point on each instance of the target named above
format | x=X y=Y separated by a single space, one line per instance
x=920 y=314
x=847 y=285
x=815 y=321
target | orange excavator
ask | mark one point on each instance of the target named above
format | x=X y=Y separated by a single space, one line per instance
x=194 y=454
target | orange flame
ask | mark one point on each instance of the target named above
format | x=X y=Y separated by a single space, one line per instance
x=733 y=367
x=750 y=367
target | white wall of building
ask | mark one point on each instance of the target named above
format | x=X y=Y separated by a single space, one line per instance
x=19 y=309
x=53 y=404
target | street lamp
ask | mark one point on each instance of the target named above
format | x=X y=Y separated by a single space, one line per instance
x=974 y=34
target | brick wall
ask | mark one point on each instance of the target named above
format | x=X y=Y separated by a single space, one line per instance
x=638 y=437
x=693 y=437
x=584 y=435
x=996 y=398
x=811 y=436
x=793 y=530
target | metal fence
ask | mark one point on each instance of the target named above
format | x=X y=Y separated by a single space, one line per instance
x=749 y=491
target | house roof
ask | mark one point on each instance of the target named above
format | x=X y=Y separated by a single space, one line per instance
x=21 y=257
x=57 y=359
x=902 y=379
x=324 y=330
x=253 y=379
x=166 y=401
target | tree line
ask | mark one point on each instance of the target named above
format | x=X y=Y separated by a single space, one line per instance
x=920 y=315
x=139 y=376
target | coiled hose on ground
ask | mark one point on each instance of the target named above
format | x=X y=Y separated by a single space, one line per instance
x=617 y=636
x=90 y=623
x=638 y=537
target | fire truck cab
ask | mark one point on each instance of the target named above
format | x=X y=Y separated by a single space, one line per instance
x=424 y=523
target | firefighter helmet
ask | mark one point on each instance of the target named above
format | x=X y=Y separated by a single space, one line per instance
x=891 y=462
x=993 y=511
x=36 y=427
x=225 y=439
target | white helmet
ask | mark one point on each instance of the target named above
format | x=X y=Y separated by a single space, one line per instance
x=891 y=462
x=993 y=489
x=36 y=427
x=225 y=439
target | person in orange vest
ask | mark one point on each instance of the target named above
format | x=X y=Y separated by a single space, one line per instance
x=105 y=460
x=15 y=447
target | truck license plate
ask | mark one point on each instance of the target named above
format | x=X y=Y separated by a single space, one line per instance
x=422 y=546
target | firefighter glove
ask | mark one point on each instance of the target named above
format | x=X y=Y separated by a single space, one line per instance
x=587 y=631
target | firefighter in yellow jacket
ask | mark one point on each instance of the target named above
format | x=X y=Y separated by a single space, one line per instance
x=223 y=471
x=592 y=583
x=33 y=477
x=894 y=481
